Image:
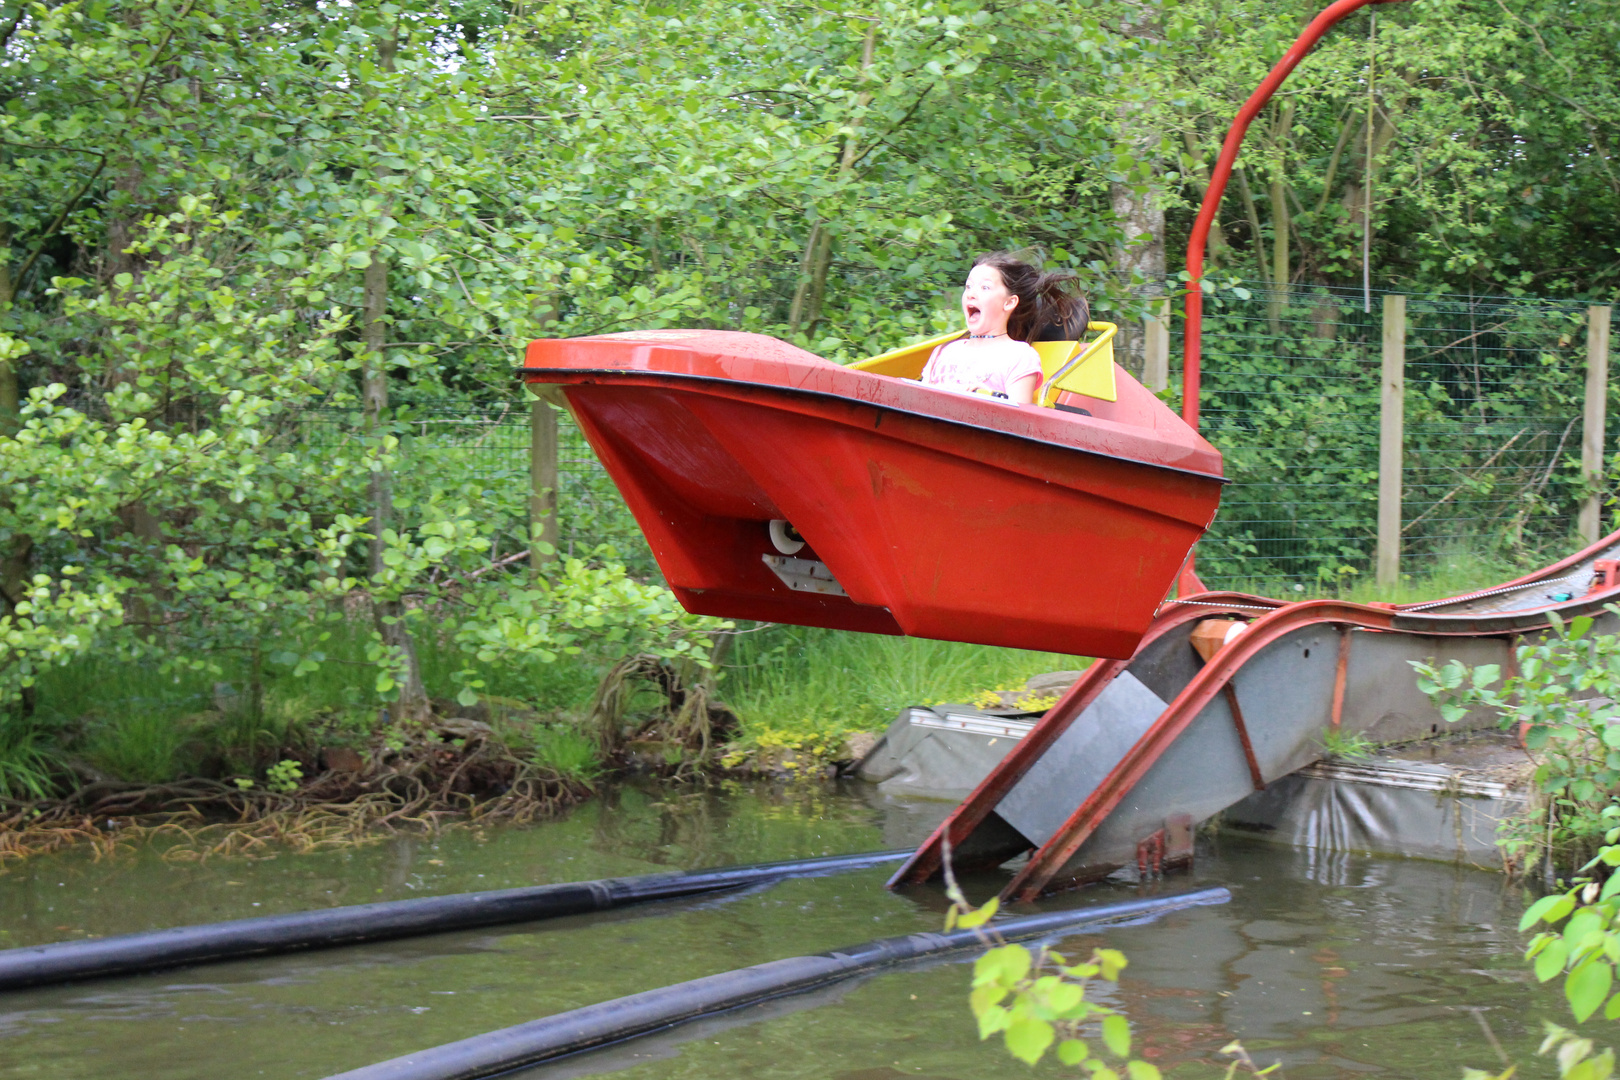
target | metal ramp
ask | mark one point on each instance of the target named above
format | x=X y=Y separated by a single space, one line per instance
x=1139 y=751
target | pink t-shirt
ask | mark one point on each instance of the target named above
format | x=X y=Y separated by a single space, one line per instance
x=956 y=366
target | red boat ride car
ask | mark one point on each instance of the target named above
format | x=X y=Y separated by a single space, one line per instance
x=775 y=485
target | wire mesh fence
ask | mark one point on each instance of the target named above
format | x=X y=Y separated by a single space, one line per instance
x=1291 y=398
x=479 y=453
x=1493 y=423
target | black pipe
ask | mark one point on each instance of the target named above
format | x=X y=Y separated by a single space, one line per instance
x=128 y=954
x=623 y=1018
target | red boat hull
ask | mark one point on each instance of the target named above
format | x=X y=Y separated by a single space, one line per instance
x=939 y=515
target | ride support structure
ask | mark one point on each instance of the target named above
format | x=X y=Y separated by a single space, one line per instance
x=1198 y=240
x=1227 y=694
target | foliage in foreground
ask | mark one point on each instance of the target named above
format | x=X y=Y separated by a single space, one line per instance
x=1583 y=952
x=1567 y=694
x=1039 y=1002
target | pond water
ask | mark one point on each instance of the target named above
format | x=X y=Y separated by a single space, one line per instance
x=1336 y=965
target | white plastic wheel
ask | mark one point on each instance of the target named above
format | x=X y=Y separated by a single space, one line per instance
x=785 y=538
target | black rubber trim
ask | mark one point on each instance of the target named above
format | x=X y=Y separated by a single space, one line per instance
x=791 y=390
x=1506 y=622
x=129 y=954
x=655 y=1010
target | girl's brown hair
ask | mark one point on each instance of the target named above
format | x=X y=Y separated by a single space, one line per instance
x=1048 y=308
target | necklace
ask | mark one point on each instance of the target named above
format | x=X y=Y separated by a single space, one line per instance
x=986 y=335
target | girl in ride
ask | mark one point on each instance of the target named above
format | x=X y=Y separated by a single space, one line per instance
x=1007 y=303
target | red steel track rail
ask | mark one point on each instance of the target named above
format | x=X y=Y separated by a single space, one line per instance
x=970 y=814
x=1199 y=237
x=1272 y=621
x=1215 y=677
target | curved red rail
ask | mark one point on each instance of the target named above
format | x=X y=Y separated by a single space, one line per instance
x=971 y=812
x=1032 y=879
x=1198 y=240
x=1271 y=620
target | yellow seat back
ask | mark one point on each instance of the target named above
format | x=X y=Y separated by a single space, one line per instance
x=1065 y=365
x=908 y=361
x=1079 y=369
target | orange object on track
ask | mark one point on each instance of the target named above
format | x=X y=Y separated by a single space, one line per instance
x=920 y=511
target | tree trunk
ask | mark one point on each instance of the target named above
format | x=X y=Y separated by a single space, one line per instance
x=818 y=281
x=388 y=615
x=1139 y=212
x=1281 y=220
x=121 y=225
x=1354 y=197
x=1200 y=171
x=801 y=292
x=817 y=261
x=1257 y=242
x=1141 y=216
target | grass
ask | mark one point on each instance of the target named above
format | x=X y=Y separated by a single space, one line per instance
x=804 y=688
x=28 y=764
x=564 y=749
x=792 y=688
x=133 y=721
x=139 y=745
x=1353 y=747
x=1432 y=576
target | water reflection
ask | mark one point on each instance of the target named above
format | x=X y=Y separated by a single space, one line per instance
x=1337 y=965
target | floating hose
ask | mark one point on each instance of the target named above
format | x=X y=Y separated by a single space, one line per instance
x=128 y=954
x=624 y=1018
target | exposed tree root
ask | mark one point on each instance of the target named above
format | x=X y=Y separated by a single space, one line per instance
x=421 y=787
x=687 y=727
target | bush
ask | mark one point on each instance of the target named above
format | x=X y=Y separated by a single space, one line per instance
x=1567 y=693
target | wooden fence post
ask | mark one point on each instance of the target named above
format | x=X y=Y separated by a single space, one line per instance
x=1597 y=397
x=542 y=482
x=1391 y=421
x=1156 y=347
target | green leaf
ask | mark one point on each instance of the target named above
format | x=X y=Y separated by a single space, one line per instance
x=1028 y=1037
x=1538 y=910
x=979 y=916
x=1580 y=924
x=1599 y=1067
x=1116 y=1033
x=986 y=996
x=1063 y=998
x=1550 y=961
x=1142 y=1070
x=1005 y=964
x=1112 y=962
x=1072 y=1051
x=1587 y=987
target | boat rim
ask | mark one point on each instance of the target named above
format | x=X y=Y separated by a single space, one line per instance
x=641 y=374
